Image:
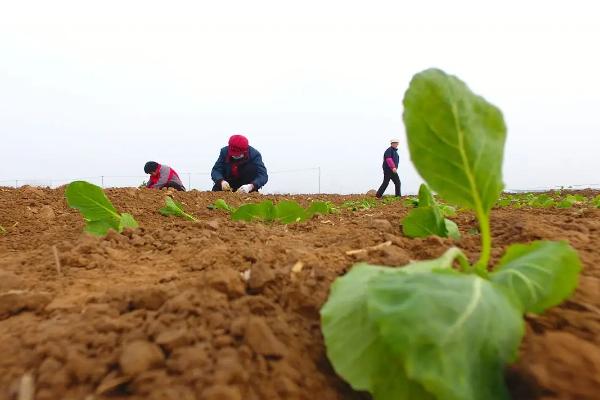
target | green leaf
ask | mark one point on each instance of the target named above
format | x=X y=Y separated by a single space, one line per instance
x=571 y=200
x=100 y=228
x=264 y=211
x=174 y=208
x=456 y=139
x=504 y=202
x=411 y=202
x=220 y=204
x=425 y=196
x=565 y=204
x=97 y=210
x=453 y=332
x=354 y=344
x=541 y=274
x=2 y=230
x=390 y=199
x=423 y=222
x=447 y=211
x=452 y=229
x=542 y=200
x=288 y=212
x=127 y=221
x=444 y=262
x=320 y=207
x=91 y=202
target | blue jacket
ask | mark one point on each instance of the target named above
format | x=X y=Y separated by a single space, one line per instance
x=222 y=169
x=393 y=154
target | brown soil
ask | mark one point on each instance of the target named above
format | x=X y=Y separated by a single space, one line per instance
x=165 y=311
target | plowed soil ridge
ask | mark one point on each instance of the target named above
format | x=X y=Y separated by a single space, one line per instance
x=229 y=310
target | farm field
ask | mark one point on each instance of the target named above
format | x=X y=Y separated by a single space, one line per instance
x=220 y=309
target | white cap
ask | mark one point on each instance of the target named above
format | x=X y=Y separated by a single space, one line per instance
x=394 y=141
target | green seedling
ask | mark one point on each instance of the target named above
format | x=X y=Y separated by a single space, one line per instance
x=174 y=208
x=359 y=205
x=2 y=230
x=411 y=201
x=321 y=207
x=98 y=212
x=570 y=200
x=446 y=328
x=286 y=211
x=221 y=204
x=390 y=199
x=428 y=218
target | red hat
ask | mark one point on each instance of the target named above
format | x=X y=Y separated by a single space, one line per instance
x=238 y=145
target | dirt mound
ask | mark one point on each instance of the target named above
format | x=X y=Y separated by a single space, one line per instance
x=225 y=310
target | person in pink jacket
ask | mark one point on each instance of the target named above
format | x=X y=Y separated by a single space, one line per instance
x=390 y=169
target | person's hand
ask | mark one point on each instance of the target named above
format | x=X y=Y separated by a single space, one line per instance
x=225 y=186
x=246 y=188
x=395 y=170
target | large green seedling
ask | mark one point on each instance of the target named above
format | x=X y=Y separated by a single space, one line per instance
x=174 y=208
x=429 y=218
x=98 y=212
x=429 y=331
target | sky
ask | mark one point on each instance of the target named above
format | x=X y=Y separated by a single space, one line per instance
x=91 y=89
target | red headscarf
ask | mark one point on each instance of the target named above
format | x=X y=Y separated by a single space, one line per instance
x=238 y=146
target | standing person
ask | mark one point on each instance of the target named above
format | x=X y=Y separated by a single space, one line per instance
x=162 y=176
x=239 y=167
x=390 y=169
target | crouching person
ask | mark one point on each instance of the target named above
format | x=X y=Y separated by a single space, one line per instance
x=162 y=176
x=239 y=168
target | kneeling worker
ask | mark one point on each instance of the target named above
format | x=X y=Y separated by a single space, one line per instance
x=162 y=176
x=239 y=168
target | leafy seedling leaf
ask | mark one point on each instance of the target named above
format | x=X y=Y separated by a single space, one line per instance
x=452 y=229
x=425 y=196
x=423 y=222
x=264 y=211
x=220 y=204
x=434 y=323
x=346 y=324
x=541 y=274
x=97 y=210
x=447 y=211
x=127 y=221
x=428 y=219
x=176 y=209
x=320 y=207
x=288 y=212
x=456 y=139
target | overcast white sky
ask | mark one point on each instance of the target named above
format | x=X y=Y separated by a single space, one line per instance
x=98 y=88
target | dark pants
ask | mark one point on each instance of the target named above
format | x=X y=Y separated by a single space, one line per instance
x=175 y=185
x=246 y=174
x=387 y=176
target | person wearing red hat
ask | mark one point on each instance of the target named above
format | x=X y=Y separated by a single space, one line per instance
x=390 y=168
x=239 y=167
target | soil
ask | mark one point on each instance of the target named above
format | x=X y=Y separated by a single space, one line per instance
x=230 y=310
